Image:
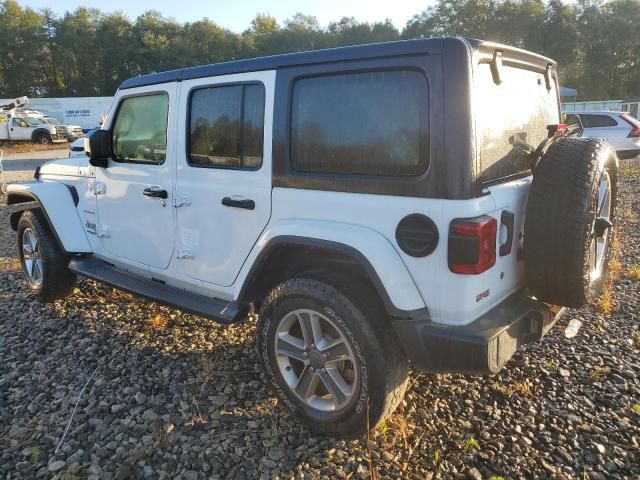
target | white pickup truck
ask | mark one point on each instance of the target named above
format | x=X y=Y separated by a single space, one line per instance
x=20 y=126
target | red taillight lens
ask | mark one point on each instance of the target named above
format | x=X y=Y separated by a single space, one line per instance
x=472 y=245
x=635 y=125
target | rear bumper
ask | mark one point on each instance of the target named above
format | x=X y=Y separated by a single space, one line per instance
x=481 y=347
x=624 y=154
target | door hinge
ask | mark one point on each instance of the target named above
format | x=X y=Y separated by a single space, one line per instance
x=181 y=199
x=97 y=188
x=103 y=231
x=185 y=253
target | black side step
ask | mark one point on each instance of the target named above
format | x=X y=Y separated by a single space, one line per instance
x=213 y=308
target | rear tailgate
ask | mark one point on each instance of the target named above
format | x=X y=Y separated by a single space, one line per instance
x=513 y=102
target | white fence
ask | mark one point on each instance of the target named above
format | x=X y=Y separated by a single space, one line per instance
x=600 y=105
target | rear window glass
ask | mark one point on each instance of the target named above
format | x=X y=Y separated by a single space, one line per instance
x=511 y=118
x=596 y=121
x=370 y=123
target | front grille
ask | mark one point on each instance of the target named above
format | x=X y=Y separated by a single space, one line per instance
x=62 y=131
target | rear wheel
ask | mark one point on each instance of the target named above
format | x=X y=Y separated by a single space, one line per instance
x=329 y=358
x=44 y=264
x=569 y=221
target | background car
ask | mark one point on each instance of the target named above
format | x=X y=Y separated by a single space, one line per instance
x=620 y=128
x=80 y=147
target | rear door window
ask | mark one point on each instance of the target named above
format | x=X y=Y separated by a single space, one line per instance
x=366 y=123
x=598 y=121
x=226 y=126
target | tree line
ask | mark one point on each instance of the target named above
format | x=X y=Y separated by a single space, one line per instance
x=88 y=52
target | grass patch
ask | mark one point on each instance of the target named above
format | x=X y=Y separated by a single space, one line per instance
x=26 y=147
x=636 y=339
x=636 y=408
x=158 y=322
x=9 y=264
x=207 y=368
x=470 y=444
x=627 y=214
x=634 y=272
x=605 y=302
x=600 y=373
x=519 y=388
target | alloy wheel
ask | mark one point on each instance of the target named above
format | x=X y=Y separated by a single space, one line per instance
x=316 y=360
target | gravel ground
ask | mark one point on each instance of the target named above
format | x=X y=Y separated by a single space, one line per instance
x=162 y=394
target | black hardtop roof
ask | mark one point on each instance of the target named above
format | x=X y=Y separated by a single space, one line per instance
x=371 y=50
x=356 y=52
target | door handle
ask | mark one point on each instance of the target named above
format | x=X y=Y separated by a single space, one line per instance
x=247 y=204
x=155 y=192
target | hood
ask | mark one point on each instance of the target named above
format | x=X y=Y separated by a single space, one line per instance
x=66 y=167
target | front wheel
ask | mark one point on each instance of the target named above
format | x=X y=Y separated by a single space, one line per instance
x=44 y=264
x=44 y=140
x=330 y=359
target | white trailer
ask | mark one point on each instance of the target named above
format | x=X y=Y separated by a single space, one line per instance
x=87 y=112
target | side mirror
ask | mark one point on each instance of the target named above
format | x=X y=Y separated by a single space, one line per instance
x=100 y=148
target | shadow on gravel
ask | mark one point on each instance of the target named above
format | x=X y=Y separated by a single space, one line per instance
x=177 y=396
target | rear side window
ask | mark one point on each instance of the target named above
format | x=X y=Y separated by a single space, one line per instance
x=226 y=126
x=511 y=119
x=367 y=123
x=597 y=121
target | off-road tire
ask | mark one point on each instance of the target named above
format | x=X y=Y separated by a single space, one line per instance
x=559 y=221
x=57 y=280
x=382 y=363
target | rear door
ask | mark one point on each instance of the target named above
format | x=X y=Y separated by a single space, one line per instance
x=223 y=186
x=511 y=118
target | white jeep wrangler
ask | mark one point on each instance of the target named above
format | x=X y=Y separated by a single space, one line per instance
x=379 y=206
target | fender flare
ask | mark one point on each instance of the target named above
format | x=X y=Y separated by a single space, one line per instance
x=370 y=249
x=38 y=131
x=58 y=205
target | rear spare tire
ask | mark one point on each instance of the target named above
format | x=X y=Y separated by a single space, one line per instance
x=569 y=219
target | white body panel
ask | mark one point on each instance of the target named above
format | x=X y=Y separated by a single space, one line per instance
x=373 y=245
x=60 y=209
x=451 y=298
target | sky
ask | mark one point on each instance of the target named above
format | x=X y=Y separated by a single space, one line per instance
x=237 y=15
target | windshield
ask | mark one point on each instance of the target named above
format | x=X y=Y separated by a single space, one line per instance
x=34 y=120
x=51 y=120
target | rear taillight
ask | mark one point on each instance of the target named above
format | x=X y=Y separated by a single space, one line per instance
x=635 y=125
x=472 y=245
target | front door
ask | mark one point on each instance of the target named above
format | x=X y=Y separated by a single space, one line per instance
x=223 y=186
x=134 y=193
x=20 y=129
